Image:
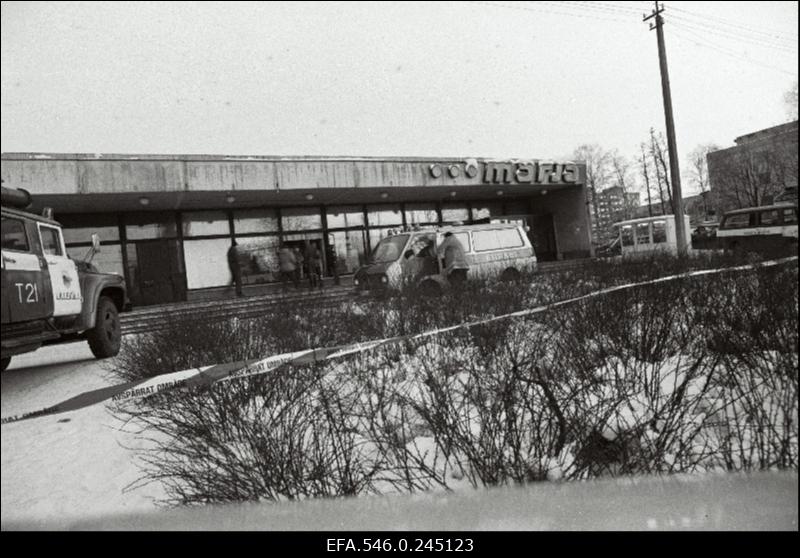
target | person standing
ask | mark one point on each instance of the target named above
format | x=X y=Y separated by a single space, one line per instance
x=288 y=266
x=300 y=265
x=455 y=260
x=333 y=264
x=235 y=265
x=314 y=263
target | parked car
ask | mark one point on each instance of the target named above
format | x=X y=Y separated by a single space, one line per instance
x=409 y=257
x=47 y=297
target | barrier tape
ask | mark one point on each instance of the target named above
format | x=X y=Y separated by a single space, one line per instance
x=222 y=372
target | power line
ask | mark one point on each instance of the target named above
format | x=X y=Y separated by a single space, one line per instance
x=731 y=23
x=536 y=9
x=604 y=7
x=782 y=45
x=702 y=42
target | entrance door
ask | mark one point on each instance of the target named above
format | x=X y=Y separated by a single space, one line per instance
x=543 y=237
x=160 y=274
x=301 y=243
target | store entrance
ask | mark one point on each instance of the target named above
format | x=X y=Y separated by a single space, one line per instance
x=160 y=275
x=300 y=245
x=543 y=237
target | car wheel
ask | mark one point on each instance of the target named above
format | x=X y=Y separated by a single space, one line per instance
x=509 y=275
x=106 y=335
x=5 y=362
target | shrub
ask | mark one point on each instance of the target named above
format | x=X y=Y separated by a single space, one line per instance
x=691 y=375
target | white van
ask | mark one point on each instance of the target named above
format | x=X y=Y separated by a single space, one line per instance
x=409 y=257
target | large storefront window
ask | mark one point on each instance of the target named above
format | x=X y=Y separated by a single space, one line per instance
x=455 y=213
x=260 y=259
x=421 y=213
x=301 y=218
x=205 y=223
x=107 y=260
x=345 y=216
x=483 y=210
x=383 y=215
x=349 y=248
x=255 y=221
x=207 y=262
x=150 y=225
x=79 y=228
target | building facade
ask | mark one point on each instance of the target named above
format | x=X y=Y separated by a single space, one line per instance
x=758 y=169
x=697 y=207
x=166 y=222
x=613 y=204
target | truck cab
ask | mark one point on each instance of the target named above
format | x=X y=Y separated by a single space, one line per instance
x=47 y=297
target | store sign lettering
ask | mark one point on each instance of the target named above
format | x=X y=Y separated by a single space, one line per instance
x=530 y=173
x=510 y=173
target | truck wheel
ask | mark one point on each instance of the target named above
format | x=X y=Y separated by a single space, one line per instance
x=5 y=362
x=106 y=335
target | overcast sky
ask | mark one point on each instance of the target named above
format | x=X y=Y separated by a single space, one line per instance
x=486 y=79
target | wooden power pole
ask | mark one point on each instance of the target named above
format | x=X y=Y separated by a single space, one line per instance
x=675 y=174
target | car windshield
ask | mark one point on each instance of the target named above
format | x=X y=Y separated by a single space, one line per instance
x=389 y=249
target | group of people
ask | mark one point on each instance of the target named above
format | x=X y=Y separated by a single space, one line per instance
x=292 y=265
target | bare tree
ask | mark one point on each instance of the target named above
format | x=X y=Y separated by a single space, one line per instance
x=646 y=176
x=752 y=173
x=658 y=150
x=597 y=173
x=790 y=101
x=698 y=171
x=621 y=169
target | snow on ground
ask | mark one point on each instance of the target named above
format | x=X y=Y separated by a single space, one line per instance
x=71 y=464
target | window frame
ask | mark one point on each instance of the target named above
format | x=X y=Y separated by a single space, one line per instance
x=24 y=232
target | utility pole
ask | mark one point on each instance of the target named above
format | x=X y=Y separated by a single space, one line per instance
x=671 y=143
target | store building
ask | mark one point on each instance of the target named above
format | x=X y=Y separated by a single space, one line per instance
x=166 y=221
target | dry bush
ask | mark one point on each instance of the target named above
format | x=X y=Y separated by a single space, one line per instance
x=691 y=375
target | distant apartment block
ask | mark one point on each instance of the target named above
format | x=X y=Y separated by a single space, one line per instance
x=759 y=169
x=612 y=205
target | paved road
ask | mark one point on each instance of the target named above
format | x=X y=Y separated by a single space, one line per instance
x=71 y=464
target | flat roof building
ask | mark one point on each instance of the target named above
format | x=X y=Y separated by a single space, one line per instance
x=167 y=221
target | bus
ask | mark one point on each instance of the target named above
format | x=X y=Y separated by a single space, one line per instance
x=768 y=228
x=649 y=235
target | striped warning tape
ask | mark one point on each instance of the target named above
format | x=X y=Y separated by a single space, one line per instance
x=221 y=372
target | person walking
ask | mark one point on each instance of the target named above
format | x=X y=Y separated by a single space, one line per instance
x=235 y=265
x=455 y=261
x=288 y=266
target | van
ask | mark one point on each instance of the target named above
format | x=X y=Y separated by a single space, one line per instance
x=409 y=258
x=770 y=229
